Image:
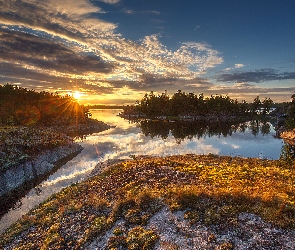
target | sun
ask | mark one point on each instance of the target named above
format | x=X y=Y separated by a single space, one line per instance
x=77 y=95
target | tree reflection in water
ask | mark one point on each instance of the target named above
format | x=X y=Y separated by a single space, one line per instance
x=199 y=129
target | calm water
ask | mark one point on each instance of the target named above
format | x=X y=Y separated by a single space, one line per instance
x=250 y=140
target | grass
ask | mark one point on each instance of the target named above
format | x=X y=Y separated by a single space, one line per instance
x=136 y=238
x=210 y=189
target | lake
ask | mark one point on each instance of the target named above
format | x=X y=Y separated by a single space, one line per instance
x=128 y=138
x=252 y=139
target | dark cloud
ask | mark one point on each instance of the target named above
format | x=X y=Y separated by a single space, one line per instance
x=11 y=71
x=57 y=17
x=95 y=88
x=44 y=43
x=30 y=14
x=131 y=12
x=29 y=78
x=27 y=49
x=34 y=60
x=175 y=81
x=256 y=76
x=31 y=59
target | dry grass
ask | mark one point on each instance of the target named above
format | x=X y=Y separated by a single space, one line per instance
x=210 y=189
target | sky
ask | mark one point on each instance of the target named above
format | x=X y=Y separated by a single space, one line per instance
x=114 y=51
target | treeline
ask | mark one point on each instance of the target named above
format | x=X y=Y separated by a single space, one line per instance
x=182 y=103
x=290 y=113
x=20 y=106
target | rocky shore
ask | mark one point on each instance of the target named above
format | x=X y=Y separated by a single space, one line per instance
x=289 y=136
x=176 y=202
x=29 y=154
x=80 y=129
x=38 y=166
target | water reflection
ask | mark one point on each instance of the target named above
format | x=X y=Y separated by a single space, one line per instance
x=73 y=171
x=182 y=130
x=250 y=139
x=254 y=139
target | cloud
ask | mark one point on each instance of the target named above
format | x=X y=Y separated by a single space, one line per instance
x=128 y=11
x=29 y=50
x=255 y=76
x=158 y=83
x=198 y=55
x=66 y=43
x=68 y=18
x=251 y=88
x=248 y=91
x=239 y=65
x=32 y=58
x=236 y=66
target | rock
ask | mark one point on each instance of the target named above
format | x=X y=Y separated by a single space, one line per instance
x=40 y=165
x=289 y=136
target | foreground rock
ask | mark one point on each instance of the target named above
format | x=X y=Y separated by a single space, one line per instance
x=174 y=231
x=29 y=152
x=40 y=165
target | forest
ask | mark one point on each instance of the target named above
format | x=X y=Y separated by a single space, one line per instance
x=182 y=103
x=20 y=106
x=197 y=105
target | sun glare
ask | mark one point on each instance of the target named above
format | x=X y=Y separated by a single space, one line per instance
x=77 y=95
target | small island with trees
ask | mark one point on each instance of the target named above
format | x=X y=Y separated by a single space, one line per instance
x=184 y=105
x=216 y=108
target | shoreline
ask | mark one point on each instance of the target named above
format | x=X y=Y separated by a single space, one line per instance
x=181 y=201
x=39 y=155
x=40 y=165
x=288 y=136
x=18 y=180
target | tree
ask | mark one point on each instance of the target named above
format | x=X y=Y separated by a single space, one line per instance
x=256 y=105
x=290 y=123
x=20 y=106
x=266 y=105
x=179 y=103
x=182 y=103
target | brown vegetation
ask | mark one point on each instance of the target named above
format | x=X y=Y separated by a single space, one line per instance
x=211 y=190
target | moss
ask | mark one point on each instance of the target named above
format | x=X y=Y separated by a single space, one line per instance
x=121 y=207
x=99 y=224
x=148 y=202
x=139 y=238
x=118 y=231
